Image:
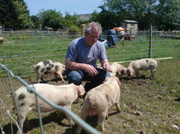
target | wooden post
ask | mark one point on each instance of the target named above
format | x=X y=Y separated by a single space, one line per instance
x=123 y=43
x=150 y=42
x=83 y=26
x=130 y=33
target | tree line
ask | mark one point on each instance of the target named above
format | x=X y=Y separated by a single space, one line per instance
x=162 y=14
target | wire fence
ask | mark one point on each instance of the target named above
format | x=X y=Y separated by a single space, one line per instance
x=22 y=49
x=5 y=106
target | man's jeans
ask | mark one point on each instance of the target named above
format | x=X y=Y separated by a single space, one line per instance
x=77 y=77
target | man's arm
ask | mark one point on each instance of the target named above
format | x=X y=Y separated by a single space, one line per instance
x=73 y=65
x=81 y=66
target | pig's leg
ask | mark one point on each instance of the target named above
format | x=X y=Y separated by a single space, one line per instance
x=23 y=118
x=60 y=75
x=23 y=113
x=152 y=72
x=101 y=118
x=61 y=115
x=69 y=119
x=117 y=103
x=55 y=75
x=84 y=114
x=38 y=78
x=137 y=73
x=23 y=121
x=118 y=107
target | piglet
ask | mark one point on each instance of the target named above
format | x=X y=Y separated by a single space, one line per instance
x=49 y=66
x=143 y=64
x=99 y=99
x=118 y=69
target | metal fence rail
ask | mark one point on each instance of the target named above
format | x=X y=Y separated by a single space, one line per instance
x=30 y=89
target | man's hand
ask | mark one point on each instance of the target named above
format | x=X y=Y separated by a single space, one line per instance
x=90 y=70
x=107 y=68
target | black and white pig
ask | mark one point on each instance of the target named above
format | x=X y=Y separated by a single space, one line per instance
x=49 y=66
x=63 y=95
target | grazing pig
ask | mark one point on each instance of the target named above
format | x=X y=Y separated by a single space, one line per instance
x=48 y=66
x=143 y=64
x=118 y=69
x=99 y=99
x=63 y=95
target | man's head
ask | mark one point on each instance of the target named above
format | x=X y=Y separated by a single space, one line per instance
x=92 y=32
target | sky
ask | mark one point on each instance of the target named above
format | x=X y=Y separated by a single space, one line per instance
x=70 y=6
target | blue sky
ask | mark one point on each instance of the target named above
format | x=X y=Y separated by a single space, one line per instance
x=70 y=6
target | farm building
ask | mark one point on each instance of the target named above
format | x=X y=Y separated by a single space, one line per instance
x=84 y=17
x=131 y=26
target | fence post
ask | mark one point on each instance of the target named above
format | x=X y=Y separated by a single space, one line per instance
x=123 y=43
x=130 y=33
x=83 y=26
x=150 y=42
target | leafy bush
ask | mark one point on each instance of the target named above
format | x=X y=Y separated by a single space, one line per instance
x=74 y=29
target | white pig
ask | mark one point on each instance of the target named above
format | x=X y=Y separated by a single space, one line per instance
x=118 y=69
x=63 y=95
x=99 y=99
x=143 y=64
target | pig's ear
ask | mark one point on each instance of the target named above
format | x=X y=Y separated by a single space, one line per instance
x=81 y=90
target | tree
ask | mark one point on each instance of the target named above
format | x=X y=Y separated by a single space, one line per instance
x=22 y=14
x=139 y=10
x=161 y=13
x=107 y=19
x=73 y=20
x=36 y=22
x=168 y=13
x=14 y=14
x=51 y=18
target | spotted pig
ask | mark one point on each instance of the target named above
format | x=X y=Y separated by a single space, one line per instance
x=63 y=95
x=49 y=66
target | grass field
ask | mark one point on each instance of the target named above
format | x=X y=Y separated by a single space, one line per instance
x=148 y=106
x=20 y=52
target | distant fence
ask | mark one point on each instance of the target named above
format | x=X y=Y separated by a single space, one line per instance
x=5 y=106
x=22 y=49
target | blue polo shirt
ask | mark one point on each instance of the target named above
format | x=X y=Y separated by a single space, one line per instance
x=79 y=52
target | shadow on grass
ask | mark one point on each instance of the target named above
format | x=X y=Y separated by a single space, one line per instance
x=8 y=129
x=34 y=123
x=91 y=120
x=134 y=78
x=178 y=99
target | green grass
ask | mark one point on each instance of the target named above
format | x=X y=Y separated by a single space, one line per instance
x=20 y=52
